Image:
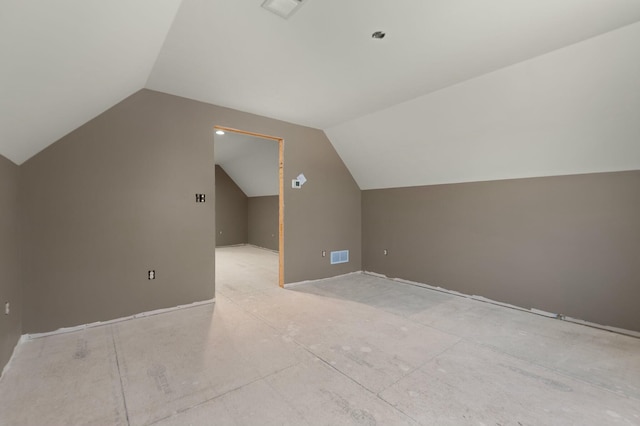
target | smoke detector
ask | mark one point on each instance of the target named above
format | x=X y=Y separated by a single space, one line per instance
x=282 y=8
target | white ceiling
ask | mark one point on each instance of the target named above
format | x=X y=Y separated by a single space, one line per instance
x=574 y=110
x=251 y=162
x=65 y=62
x=321 y=67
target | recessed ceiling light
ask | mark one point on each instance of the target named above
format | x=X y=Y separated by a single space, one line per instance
x=378 y=35
x=219 y=132
x=282 y=8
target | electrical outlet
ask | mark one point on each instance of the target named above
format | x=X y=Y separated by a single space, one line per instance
x=200 y=198
x=324 y=253
x=385 y=252
x=151 y=274
x=7 y=308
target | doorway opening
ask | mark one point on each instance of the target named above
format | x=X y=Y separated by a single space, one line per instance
x=253 y=163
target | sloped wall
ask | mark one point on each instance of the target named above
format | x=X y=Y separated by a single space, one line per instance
x=116 y=197
x=10 y=286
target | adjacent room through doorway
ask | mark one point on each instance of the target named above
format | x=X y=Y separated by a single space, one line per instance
x=249 y=209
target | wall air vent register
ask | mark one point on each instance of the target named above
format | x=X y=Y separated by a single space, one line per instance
x=341 y=256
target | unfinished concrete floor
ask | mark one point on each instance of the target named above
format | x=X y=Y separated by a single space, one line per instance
x=350 y=350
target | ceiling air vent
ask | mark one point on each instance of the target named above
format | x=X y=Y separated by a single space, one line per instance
x=282 y=8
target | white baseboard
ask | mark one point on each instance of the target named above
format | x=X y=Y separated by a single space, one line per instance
x=117 y=320
x=289 y=285
x=534 y=311
x=13 y=354
x=263 y=248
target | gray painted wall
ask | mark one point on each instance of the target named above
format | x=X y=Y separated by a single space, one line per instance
x=231 y=211
x=263 y=221
x=10 y=287
x=568 y=245
x=116 y=197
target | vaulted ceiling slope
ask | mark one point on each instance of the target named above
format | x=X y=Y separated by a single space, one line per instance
x=575 y=110
x=251 y=162
x=66 y=61
x=69 y=60
x=321 y=67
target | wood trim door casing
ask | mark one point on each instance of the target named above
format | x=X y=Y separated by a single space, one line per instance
x=280 y=196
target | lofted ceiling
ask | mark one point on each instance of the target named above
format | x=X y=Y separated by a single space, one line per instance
x=251 y=162
x=66 y=61
x=441 y=62
x=321 y=67
x=572 y=111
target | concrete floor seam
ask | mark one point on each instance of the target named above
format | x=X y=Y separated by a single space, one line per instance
x=317 y=356
x=390 y=404
x=206 y=401
x=328 y=364
x=408 y=373
x=332 y=367
x=124 y=397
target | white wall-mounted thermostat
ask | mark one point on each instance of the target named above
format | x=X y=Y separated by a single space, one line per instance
x=299 y=181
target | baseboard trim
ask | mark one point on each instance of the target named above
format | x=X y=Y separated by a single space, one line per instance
x=297 y=283
x=534 y=311
x=13 y=354
x=64 y=330
x=263 y=248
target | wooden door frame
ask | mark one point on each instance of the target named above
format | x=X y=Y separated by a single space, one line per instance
x=280 y=195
